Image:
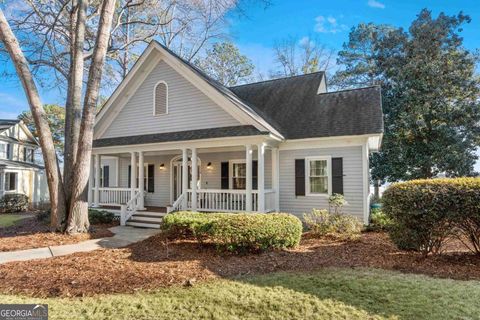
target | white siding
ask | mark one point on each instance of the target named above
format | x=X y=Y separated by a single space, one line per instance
x=188 y=108
x=352 y=181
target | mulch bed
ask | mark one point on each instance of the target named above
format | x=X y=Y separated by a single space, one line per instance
x=156 y=262
x=31 y=233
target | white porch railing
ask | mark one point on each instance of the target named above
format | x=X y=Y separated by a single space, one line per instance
x=177 y=205
x=128 y=210
x=229 y=200
x=114 y=196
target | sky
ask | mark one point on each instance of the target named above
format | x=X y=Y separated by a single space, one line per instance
x=327 y=21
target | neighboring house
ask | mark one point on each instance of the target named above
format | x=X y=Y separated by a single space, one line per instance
x=19 y=171
x=277 y=145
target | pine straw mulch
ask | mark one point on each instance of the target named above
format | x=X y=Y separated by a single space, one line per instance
x=31 y=233
x=156 y=262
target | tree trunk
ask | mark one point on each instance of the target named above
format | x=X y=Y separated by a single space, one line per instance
x=55 y=186
x=78 y=217
x=73 y=113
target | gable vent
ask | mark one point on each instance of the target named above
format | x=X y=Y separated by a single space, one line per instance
x=160 y=101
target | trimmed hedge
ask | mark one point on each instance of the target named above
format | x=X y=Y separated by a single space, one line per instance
x=100 y=216
x=426 y=212
x=13 y=202
x=237 y=232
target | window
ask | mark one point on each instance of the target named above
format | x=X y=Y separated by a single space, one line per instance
x=27 y=154
x=160 y=99
x=3 y=150
x=10 y=181
x=318 y=180
x=105 y=176
x=239 y=174
x=148 y=178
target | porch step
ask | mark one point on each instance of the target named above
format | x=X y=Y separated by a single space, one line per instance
x=145 y=218
x=140 y=224
x=150 y=214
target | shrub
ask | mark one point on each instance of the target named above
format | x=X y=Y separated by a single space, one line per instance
x=14 y=202
x=100 y=216
x=237 y=232
x=336 y=202
x=425 y=213
x=379 y=221
x=324 y=223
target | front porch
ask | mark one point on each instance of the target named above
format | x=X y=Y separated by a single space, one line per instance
x=217 y=178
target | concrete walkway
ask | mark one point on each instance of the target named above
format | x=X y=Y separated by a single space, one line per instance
x=123 y=237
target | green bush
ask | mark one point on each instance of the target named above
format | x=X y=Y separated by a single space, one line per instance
x=14 y=202
x=237 y=232
x=379 y=221
x=340 y=226
x=425 y=213
x=100 y=216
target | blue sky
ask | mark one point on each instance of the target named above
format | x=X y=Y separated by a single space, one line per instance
x=327 y=21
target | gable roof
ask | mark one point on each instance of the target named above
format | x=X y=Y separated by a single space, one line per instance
x=246 y=110
x=298 y=111
x=289 y=108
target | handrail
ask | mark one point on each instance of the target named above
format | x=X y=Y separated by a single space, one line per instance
x=127 y=210
x=176 y=205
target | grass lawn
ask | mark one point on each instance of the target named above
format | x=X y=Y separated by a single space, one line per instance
x=326 y=294
x=8 y=220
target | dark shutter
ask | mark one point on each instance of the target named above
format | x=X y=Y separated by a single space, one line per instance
x=106 y=176
x=299 y=177
x=9 y=151
x=151 y=178
x=254 y=174
x=337 y=175
x=129 y=176
x=224 y=173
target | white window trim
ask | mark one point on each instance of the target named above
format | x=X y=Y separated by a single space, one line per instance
x=154 y=97
x=5 y=181
x=4 y=156
x=307 y=176
x=25 y=148
x=230 y=171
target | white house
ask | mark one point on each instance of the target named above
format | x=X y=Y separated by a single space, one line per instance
x=19 y=171
x=277 y=145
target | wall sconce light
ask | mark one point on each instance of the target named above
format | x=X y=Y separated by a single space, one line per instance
x=209 y=165
x=162 y=166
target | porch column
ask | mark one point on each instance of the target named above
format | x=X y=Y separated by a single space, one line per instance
x=194 y=178
x=184 y=178
x=261 y=178
x=141 y=178
x=91 y=179
x=96 y=193
x=133 y=174
x=276 y=177
x=248 y=185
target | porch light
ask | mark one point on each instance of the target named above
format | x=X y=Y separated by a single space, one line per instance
x=162 y=166
x=209 y=165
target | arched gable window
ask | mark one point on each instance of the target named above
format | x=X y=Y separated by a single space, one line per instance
x=160 y=99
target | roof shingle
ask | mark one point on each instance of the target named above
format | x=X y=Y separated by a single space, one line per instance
x=294 y=106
